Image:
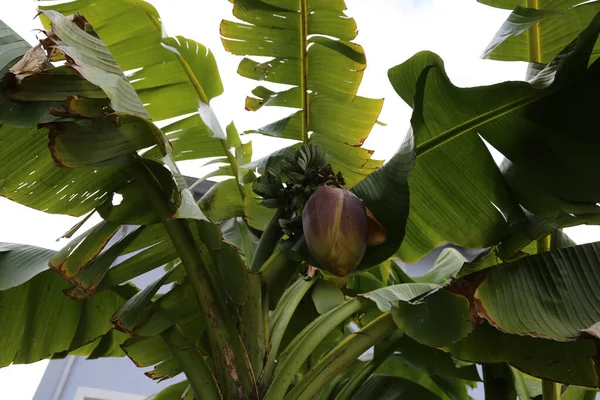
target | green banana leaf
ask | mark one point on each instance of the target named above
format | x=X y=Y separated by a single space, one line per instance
x=538 y=35
x=532 y=124
x=40 y=321
x=539 y=314
x=173 y=77
x=542 y=4
x=462 y=172
x=28 y=174
x=311 y=49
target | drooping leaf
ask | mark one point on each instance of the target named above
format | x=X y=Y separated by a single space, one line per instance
x=56 y=84
x=88 y=278
x=39 y=320
x=90 y=58
x=19 y=263
x=79 y=252
x=87 y=143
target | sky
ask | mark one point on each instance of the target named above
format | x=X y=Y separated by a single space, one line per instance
x=391 y=31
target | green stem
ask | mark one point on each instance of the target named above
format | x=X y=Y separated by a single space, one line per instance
x=193 y=364
x=268 y=241
x=366 y=371
x=550 y=390
x=230 y=356
x=252 y=323
x=304 y=70
x=281 y=318
x=298 y=351
x=535 y=52
x=544 y=244
x=338 y=359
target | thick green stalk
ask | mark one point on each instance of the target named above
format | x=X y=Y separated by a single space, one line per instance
x=550 y=390
x=193 y=364
x=535 y=51
x=338 y=359
x=366 y=371
x=281 y=318
x=304 y=70
x=544 y=244
x=268 y=241
x=229 y=354
x=252 y=323
x=298 y=351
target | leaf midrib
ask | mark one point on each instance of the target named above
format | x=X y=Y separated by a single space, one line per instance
x=480 y=120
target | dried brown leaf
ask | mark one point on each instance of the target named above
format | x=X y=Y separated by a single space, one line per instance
x=31 y=63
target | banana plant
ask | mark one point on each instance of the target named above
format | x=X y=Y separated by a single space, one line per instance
x=285 y=281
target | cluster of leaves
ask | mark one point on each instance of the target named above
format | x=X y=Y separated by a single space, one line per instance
x=234 y=314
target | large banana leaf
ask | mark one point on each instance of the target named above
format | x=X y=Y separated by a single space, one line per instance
x=532 y=124
x=173 y=76
x=542 y=4
x=310 y=42
x=39 y=320
x=538 y=35
x=83 y=262
x=28 y=174
x=539 y=313
x=457 y=192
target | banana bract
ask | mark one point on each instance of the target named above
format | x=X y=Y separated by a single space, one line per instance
x=335 y=227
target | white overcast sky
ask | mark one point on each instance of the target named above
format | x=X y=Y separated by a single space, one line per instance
x=390 y=31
